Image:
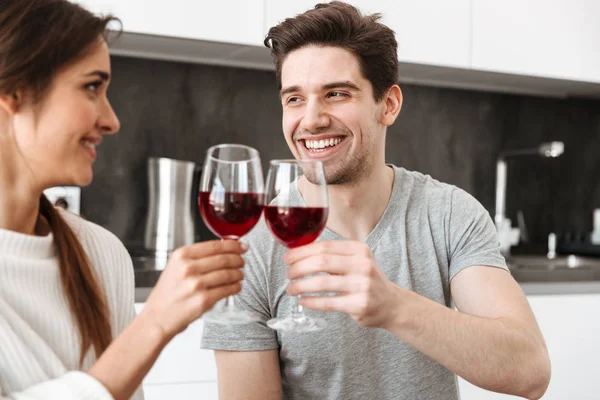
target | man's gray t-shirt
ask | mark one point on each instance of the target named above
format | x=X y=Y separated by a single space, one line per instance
x=428 y=233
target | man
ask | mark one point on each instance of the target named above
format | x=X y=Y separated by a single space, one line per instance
x=398 y=250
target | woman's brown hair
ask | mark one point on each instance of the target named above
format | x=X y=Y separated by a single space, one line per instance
x=339 y=24
x=37 y=39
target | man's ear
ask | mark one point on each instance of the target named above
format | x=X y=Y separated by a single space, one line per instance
x=392 y=105
x=11 y=103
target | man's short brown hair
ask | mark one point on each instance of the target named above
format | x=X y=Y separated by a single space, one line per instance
x=339 y=24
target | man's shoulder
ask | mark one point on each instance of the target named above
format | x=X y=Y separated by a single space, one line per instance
x=423 y=182
x=421 y=190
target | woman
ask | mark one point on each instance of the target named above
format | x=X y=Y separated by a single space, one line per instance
x=67 y=327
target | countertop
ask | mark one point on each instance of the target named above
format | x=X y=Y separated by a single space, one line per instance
x=537 y=275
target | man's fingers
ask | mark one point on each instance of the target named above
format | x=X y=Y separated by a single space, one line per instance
x=330 y=263
x=329 y=303
x=339 y=247
x=329 y=283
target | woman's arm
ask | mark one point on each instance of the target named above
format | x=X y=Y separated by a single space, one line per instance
x=196 y=277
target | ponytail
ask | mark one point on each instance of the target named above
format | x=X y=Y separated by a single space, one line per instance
x=85 y=296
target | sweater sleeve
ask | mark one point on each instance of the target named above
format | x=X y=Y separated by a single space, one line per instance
x=71 y=386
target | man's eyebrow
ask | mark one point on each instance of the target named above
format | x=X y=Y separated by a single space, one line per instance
x=289 y=89
x=333 y=85
x=342 y=84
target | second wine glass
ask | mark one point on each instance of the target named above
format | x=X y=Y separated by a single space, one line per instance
x=231 y=203
x=296 y=209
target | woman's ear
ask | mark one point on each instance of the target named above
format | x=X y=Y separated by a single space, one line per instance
x=392 y=104
x=11 y=103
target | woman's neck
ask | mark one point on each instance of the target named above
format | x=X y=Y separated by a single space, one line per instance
x=19 y=201
x=20 y=213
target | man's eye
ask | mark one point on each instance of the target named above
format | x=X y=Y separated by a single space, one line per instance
x=337 y=94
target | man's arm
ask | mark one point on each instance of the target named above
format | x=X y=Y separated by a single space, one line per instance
x=248 y=375
x=493 y=341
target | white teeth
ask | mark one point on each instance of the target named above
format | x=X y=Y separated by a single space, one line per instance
x=321 y=144
x=88 y=144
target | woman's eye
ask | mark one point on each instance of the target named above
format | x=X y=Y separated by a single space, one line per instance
x=93 y=86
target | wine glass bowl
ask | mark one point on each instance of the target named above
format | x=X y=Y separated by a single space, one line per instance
x=230 y=200
x=296 y=210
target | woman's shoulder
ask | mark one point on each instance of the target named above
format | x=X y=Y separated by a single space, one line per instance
x=92 y=235
x=106 y=252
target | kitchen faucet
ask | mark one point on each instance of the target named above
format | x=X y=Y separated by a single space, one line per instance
x=507 y=235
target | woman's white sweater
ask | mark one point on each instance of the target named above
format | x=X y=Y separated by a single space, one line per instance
x=39 y=341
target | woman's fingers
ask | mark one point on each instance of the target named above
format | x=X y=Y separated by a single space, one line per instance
x=210 y=297
x=212 y=263
x=209 y=248
x=218 y=278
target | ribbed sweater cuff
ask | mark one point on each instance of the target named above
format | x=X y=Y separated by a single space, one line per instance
x=85 y=386
x=71 y=386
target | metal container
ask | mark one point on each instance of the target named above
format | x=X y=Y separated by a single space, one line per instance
x=170 y=222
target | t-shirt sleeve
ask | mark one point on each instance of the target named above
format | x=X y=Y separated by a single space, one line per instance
x=472 y=237
x=254 y=297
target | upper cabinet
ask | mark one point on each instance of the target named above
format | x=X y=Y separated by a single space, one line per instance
x=558 y=39
x=232 y=21
x=533 y=47
x=433 y=32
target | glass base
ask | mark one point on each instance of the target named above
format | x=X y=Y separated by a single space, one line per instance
x=298 y=323
x=230 y=317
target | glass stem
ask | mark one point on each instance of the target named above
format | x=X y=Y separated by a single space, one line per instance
x=230 y=303
x=229 y=300
x=298 y=309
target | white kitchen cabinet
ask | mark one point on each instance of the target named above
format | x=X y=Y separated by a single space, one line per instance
x=182 y=360
x=233 y=21
x=183 y=371
x=182 y=391
x=434 y=32
x=571 y=326
x=558 y=39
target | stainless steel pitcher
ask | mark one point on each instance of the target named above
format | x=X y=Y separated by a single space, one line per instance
x=170 y=220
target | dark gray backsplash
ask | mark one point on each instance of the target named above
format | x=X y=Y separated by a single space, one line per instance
x=178 y=110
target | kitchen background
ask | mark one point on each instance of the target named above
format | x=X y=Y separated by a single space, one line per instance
x=178 y=110
x=179 y=87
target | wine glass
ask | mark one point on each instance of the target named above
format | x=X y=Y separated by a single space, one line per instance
x=296 y=210
x=231 y=203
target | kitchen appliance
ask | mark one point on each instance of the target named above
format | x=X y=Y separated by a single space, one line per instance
x=172 y=207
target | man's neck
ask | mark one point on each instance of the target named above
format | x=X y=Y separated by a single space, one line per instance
x=354 y=210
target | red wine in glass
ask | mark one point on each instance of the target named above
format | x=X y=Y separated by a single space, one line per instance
x=230 y=215
x=231 y=202
x=296 y=209
x=296 y=226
